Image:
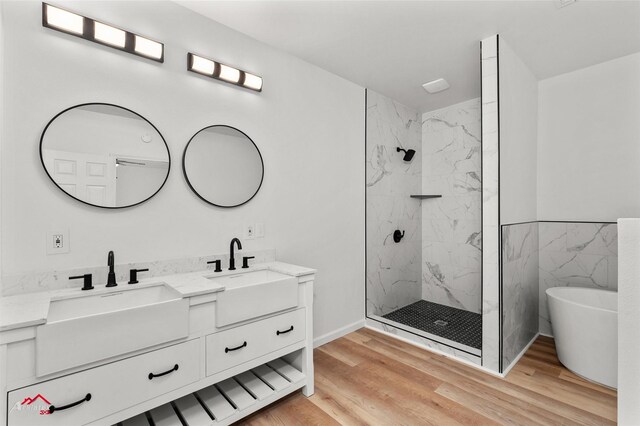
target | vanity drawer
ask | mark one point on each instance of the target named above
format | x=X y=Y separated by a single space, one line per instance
x=112 y=387
x=233 y=347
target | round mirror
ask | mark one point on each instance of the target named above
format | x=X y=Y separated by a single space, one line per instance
x=105 y=155
x=223 y=166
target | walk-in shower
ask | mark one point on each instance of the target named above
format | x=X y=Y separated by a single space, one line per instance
x=427 y=284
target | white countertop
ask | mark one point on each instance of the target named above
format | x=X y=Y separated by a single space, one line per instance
x=31 y=309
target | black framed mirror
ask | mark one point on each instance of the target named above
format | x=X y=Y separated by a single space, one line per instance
x=105 y=155
x=223 y=166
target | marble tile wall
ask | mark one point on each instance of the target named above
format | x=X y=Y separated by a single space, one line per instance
x=520 y=277
x=55 y=280
x=451 y=225
x=393 y=269
x=540 y=255
x=576 y=254
x=490 y=207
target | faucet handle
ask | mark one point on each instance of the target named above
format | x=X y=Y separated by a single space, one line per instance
x=218 y=263
x=87 y=281
x=133 y=275
x=245 y=261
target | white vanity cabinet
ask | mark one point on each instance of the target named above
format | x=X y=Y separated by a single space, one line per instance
x=216 y=375
x=240 y=344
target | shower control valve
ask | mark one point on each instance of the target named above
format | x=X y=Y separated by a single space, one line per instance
x=398 y=235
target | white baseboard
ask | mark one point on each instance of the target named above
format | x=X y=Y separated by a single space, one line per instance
x=333 y=335
x=546 y=335
x=522 y=352
x=436 y=351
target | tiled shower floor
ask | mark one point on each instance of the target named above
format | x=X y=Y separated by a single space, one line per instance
x=450 y=323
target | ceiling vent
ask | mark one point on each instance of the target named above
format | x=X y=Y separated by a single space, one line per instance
x=563 y=3
x=436 y=86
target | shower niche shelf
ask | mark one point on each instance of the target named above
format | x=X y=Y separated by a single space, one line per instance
x=424 y=197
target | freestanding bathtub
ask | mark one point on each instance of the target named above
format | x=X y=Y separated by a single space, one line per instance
x=585 y=326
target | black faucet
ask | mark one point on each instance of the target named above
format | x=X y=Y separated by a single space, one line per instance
x=111 y=277
x=232 y=259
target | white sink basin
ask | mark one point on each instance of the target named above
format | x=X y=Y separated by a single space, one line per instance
x=253 y=294
x=96 y=326
x=96 y=304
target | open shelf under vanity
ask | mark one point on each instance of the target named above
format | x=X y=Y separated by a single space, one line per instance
x=229 y=400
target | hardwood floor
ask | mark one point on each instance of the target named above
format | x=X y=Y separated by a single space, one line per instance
x=367 y=378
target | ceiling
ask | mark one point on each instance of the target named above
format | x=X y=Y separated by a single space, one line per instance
x=393 y=47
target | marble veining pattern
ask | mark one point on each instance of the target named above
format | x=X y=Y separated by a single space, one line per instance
x=490 y=206
x=451 y=225
x=393 y=269
x=576 y=254
x=519 y=288
x=56 y=280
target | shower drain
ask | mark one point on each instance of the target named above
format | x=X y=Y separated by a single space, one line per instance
x=444 y=321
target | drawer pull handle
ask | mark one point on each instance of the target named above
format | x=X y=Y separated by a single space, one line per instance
x=175 y=368
x=227 y=350
x=53 y=408
x=278 y=332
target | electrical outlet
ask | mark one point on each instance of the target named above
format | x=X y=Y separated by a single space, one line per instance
x=57 y=241
x=249 y=232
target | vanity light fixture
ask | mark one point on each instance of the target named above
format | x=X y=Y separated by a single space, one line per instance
x=62 y=20
x=149 y=48
x=109 y=35
x=229 y=74
x=213 y=69
x=89 y=29
x=252 y=81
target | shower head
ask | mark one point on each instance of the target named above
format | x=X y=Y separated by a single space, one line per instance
x=408 y=153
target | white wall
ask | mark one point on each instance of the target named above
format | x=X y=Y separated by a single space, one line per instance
x=518 y=93
x=308 y=123
x=589 y=143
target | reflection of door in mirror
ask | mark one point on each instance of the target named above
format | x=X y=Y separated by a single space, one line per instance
x=85 y=176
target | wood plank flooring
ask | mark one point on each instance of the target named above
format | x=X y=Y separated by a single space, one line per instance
x=368 y=378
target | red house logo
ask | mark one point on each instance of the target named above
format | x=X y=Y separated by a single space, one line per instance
x=38 y=403
x=29 y=401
